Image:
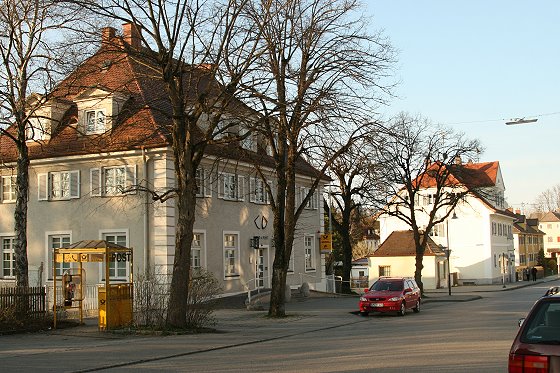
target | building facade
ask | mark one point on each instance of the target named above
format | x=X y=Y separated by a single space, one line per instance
x=527 y=241
x=96 y=146
x=479 y=233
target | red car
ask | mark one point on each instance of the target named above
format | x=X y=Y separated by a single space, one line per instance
x=391 y=294
x=536 y=348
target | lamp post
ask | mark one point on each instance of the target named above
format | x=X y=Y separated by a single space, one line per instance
x=448 y=253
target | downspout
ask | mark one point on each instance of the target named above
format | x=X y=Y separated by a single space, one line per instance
x=145 y=159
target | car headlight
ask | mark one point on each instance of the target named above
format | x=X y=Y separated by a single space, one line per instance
x=363 y=299
x=394 y=299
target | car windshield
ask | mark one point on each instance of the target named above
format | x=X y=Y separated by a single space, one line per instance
x=387 y=286
x=544 y=326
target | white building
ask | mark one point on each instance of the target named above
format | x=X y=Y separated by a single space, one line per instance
x=480 y=238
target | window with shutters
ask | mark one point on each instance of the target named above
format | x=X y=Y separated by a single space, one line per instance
x=203 y=183
x=8 y=189
x=231 y=187
x=112 y=181
x=312 y=202
x=59 y=185
x=258 y=192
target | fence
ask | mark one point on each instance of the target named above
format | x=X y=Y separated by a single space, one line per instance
x=30 y=300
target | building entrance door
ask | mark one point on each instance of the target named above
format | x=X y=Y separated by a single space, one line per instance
x=261 y=268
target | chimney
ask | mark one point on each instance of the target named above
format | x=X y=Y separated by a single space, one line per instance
x=107 y=35
x=458 y=160
x=518 y=212
x=131 y=34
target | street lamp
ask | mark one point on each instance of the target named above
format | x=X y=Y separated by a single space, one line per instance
x=448 y=253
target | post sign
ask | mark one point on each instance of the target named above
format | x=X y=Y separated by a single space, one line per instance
x=326 y=242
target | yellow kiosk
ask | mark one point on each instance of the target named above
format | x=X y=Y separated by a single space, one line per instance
x=115 y=305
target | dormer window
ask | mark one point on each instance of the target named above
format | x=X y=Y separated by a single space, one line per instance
x=95 y=121
x=38 y=129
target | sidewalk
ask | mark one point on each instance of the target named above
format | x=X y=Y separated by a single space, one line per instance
x=469 y=292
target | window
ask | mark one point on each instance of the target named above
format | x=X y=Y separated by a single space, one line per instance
x=95 y=122
x=60 y=185
x=111 y=181
x=437 y=230
x=384 y=271
x=231 y=254
x=56 y=241
x=197 y=250
x=258 y=192
x=522 y=259
x=313 y=202
x=8 y=188
x=309 y=253
x=202 y=183
x=37 y=129
x=550 y=239
x=549 y=226
x=495 y=261
x=8 y=258
x=494 y=230
x=249 y=142
x=231 y=187
x=118 y=270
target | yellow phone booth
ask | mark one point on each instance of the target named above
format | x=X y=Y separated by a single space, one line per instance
x=116 y=305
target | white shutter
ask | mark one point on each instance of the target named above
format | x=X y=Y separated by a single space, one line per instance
x=220 y=185
x=43 y=183
x=75 y=184
x=1 y=188
x=95 y=181
x=207 y=184
x=268 y=199
x=252 y=187
x=131 y=178
x=240 y=188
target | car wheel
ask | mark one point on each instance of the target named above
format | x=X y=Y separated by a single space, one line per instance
x=364 y=313
x=402 y=310
x=416 y=309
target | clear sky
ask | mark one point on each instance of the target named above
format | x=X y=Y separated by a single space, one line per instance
x=476 y=64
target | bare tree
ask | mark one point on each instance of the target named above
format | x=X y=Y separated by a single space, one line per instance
x=30 y=61
x=417 y=155
x=185 y=43
x=354 y=177
x=315 y=86
x=549 y=200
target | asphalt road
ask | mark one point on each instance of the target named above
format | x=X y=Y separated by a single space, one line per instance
x=452 y=337
x=321 y=335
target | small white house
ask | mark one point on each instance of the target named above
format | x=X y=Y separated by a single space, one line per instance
x=397 y=257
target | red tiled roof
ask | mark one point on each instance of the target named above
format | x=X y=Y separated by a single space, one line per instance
x=145 y=118
x=471 y=175
x=401 y=243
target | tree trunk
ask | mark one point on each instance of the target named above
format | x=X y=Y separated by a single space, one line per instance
x=185 y=184
x=177 y=310
x=20 y=212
